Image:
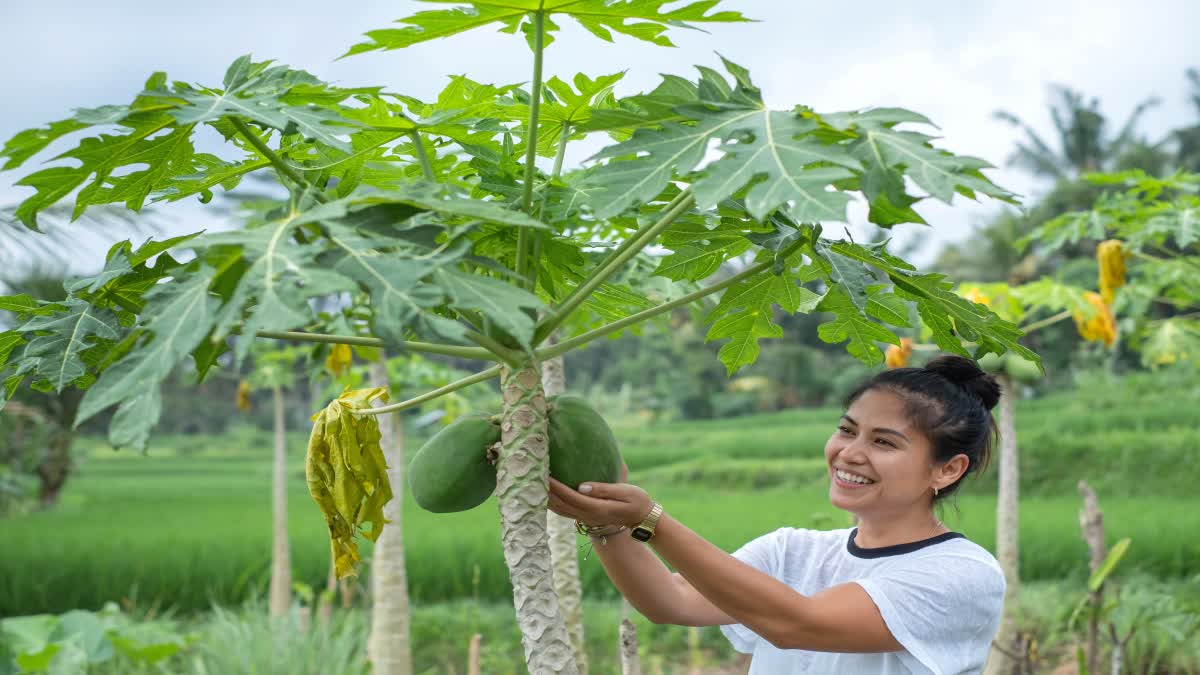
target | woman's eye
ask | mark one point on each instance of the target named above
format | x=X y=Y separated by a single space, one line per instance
x=844 y=429
x=886 y=442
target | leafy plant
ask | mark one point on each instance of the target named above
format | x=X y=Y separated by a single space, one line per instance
x=433 y=224
x=1148 y=229
x=72 y=642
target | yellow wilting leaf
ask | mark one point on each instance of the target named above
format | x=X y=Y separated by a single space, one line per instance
x=1102 y=327
x=897 y=357
x=243 y=395
x=339 y=359
x=1111 y=258
x=347 y=474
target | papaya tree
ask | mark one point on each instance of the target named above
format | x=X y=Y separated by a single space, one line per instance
x=564 y=558
x=436 y=220
x=275 y=370
x=1147 y=235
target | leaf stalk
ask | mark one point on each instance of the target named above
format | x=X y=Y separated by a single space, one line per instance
x=422 y=156
x=283 y=167
x=495 y=349
x=421 y=347
x=1046 y=322
x=580 y=340
x=535 y=104
x=488 y=374
x=618 y=257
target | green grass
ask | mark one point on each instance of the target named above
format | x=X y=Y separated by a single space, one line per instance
x=189 y=525
x=189 y=531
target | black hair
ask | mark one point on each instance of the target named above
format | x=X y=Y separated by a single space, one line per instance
x=950 y=402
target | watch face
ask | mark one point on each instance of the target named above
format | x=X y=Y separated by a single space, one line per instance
x=641 y=534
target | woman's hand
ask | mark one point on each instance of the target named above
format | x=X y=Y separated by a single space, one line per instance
x=600 y=504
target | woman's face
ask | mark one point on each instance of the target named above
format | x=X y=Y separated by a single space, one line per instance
x=888 y=461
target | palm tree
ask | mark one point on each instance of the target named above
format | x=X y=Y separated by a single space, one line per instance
x=1083 y=144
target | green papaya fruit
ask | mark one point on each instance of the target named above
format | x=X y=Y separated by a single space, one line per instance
x=582 y=446
x=451 y=472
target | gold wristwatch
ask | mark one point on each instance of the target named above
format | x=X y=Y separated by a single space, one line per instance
x=644 y=530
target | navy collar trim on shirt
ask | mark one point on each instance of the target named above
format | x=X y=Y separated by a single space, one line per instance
x=896 y=549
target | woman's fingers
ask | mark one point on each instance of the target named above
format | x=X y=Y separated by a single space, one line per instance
x=561 y=508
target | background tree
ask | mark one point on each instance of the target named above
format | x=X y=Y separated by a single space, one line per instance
x=1082 y=143
x=275 y=370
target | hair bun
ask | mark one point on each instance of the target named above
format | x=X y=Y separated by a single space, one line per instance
x=967 y=374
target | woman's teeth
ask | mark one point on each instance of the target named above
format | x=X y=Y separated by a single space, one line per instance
x=853 y=478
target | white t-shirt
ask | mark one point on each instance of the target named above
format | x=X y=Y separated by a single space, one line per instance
x=942 y=598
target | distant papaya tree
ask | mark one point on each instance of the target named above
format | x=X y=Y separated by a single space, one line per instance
x=435 y=220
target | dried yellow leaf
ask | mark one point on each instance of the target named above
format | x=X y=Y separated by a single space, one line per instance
x=339 y=359
x=243 y=396
x=1100 y=328
x=1110 y=256
x=347 y=474
x=897 y=356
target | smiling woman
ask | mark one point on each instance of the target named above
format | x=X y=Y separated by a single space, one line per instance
x=900 y=593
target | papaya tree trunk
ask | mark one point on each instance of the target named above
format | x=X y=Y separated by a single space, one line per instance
x=281 y=563
x=564 y=555
x=388 y=646
x=521 y=474
x=1007 y=528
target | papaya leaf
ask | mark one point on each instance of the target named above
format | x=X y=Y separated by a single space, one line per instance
x=640 y=19
x=9 y=340
x=746 y=314
x=693 y=262
x=887 y=307
x=796 y=168
x=259 y=92
x=179 y=315
x=347 y=474
x=1171 y=341
x=210 y=172
x=57 y=353
x=1049 y=294
x=400 y=302
x=27 y=305
x=570 y=107
x=29 y=142
x=281 y=277
x=503 y=303
x=849 y=272
x=853 y=326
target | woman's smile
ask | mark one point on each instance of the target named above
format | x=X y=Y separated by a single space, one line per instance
x=849 y=480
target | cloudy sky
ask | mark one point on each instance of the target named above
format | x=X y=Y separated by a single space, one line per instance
x=956 y=62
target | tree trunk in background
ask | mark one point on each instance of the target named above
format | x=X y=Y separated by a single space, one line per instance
x=1007 y=527
x=55 y=467
x=1091 y=521
x=521 y=473
x=564 y=555
x=388 y=646
x=281 y=562
x=627 y=642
